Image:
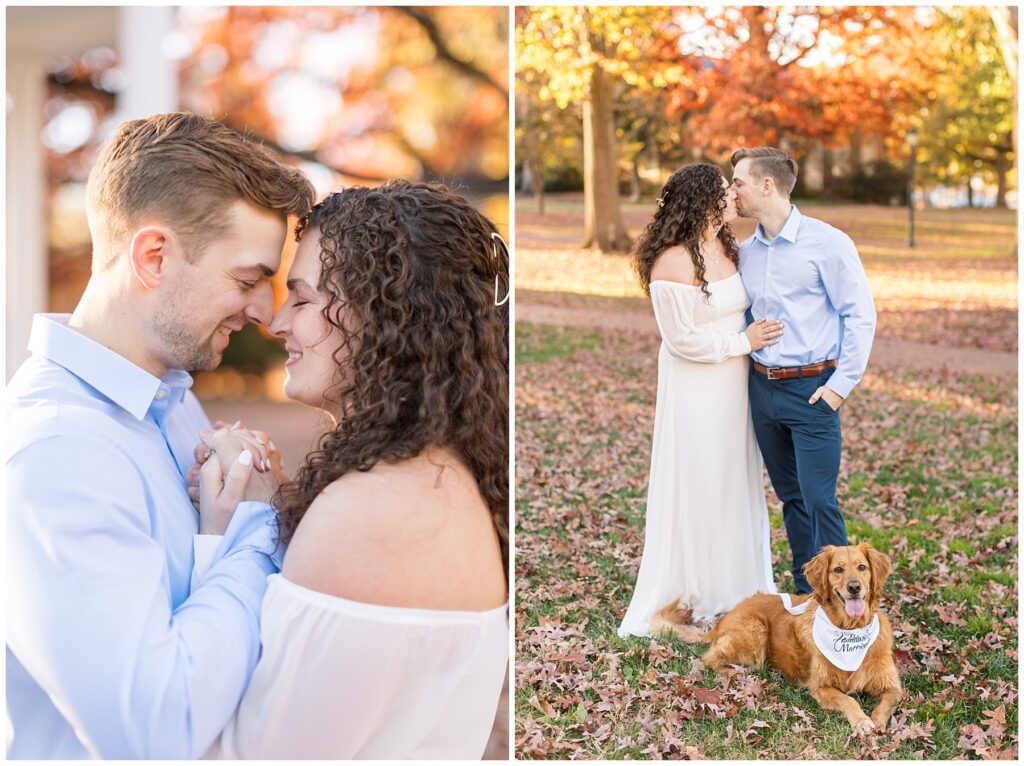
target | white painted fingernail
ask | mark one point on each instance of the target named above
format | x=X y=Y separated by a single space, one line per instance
x=237 y=425
x=245 y=458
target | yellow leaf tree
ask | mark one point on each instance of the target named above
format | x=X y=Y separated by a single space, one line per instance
x=590 y=56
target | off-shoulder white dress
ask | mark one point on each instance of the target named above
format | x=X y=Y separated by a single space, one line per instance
x=707 y=536
x=340 y=679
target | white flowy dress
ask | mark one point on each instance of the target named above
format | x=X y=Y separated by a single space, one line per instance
x=707 y=537
x=345 y=680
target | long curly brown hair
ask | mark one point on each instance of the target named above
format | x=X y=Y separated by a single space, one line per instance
x=410 y=272
x=692 y=197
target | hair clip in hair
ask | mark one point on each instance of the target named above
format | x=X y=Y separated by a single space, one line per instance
x=495 y=238
x=661 y=202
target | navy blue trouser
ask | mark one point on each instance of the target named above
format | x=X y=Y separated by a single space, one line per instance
x=801 y=445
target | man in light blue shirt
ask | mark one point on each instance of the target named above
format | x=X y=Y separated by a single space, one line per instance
x=806 y=274
x=112 y=650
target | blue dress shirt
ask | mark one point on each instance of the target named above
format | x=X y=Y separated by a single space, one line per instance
x=811 y=279
x=109 y=654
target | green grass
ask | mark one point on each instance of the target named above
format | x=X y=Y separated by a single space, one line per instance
x=536 y=344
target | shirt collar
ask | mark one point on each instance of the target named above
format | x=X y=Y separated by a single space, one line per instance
x=123 y=382
x=788 y=232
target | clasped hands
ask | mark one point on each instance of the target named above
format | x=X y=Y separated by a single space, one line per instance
x=233 y=464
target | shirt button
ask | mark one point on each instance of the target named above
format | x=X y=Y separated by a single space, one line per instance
x=161 y=394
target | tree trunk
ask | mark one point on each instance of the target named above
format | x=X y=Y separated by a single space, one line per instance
x=537 y=181
x=828 y=180
x=603 y=228
x=856 y=149
x=634 y=180
x=1002 y=166
x=970 y=193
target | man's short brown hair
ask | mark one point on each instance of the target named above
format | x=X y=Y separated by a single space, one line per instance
x=183 y=171
x=773 y=163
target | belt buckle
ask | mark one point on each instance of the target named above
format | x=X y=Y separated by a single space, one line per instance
x=770 y=372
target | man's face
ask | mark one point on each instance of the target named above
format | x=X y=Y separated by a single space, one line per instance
x=748 y=189
x=226 y=288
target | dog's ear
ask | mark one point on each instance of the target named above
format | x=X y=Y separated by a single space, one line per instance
x=816 y=571
x=881 y=567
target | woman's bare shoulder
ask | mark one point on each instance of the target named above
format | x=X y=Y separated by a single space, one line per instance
x=416 y=533
x=674 y=264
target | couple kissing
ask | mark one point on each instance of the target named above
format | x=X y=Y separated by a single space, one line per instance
x=793 y=298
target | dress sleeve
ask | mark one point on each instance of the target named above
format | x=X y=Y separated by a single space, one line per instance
x=334 y=675
x=673 y=308
x=90 y=614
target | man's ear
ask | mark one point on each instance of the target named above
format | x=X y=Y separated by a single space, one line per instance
x=768 y=186
x=148 y=253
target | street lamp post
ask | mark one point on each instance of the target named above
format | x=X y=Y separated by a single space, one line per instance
x=912 y=139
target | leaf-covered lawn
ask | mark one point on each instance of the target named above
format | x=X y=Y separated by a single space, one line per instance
x=929 y=476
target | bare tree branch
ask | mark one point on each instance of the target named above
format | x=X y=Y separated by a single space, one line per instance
x=304 y=154
x=444 y=52
x=473 y=185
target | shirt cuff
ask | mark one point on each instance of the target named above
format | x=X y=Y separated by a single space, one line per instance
x=841 y=386
x=254 y=526
x=204 y=550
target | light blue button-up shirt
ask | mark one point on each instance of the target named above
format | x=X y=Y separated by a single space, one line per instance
x=109 y=655
x=811 y=279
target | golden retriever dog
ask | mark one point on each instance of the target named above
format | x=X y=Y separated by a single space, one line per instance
x=847 y=583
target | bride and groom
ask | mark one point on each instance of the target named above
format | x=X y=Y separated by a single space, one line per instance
x=795 y=299
x=354 y=610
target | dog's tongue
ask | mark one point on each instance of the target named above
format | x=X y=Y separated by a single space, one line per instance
x=854 y=607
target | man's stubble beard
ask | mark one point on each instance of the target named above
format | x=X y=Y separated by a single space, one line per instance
x=180 y=348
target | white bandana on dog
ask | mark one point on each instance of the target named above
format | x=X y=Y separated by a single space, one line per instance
x=846 y=649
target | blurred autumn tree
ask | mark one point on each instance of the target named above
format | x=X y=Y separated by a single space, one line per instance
x=822 y=82
x=352 y=95
x=799 y=75
x=645 y=136
x=370 y=93
x=546 y=137
x=967 y=125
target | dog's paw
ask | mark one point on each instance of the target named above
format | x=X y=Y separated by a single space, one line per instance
x=881 y=722
x=863 y=726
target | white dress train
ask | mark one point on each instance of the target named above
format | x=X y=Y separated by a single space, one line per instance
x=707 y=539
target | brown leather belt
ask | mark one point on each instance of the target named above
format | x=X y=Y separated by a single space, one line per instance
x=788 y=373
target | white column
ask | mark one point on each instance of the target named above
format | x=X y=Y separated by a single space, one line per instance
x=151 y=77
x=25 y=225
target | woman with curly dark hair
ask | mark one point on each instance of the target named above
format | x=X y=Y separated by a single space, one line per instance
x=385 y=635
x=707 y=536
